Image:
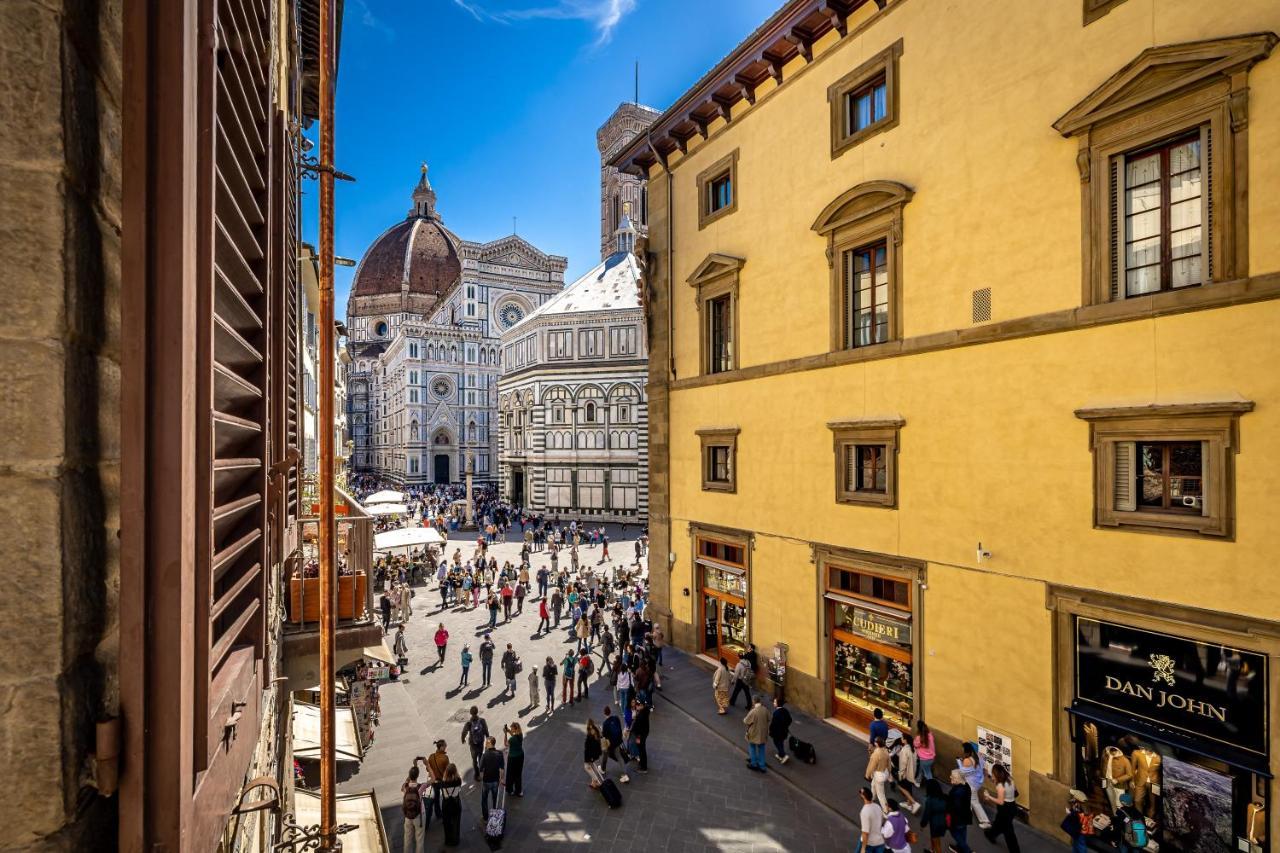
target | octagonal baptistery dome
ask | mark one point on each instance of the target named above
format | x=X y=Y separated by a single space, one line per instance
x=416 y=258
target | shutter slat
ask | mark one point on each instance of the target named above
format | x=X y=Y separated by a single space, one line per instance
x=227 y=638
x=233 y=592
x=1117 y=228
x=1125 y=476
x=233 y=350
x=253 y=38
x=224 y=559
x=236 y=64
x=230 y=510
x=230 y=304
x=244 y=135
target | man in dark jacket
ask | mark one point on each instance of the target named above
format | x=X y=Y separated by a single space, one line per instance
x=611 y=731
x=640 y=734
x=510 y=668
x=473 y=735
x=960 y=811
x=779 y=729
x=486 y=661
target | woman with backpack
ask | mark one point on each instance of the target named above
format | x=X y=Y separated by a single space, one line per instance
x=450 y=790
x=1006 y=803
x=413 y=808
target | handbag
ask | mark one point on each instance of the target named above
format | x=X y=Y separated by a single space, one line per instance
x=912 y=836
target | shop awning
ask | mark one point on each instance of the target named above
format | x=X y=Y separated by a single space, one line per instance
x=386 y=497
x=379 y=652
x=358 y=810
x=387 y=509
x=306 y=733
x=338 y=687
x=406 y=537
x=1223 y=752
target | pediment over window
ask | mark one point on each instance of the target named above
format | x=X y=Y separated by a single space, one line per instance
x=715 y=266
x=862 y=202
x=1161 y=72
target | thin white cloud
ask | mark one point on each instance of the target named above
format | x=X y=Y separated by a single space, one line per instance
x=603 y=15
x=372 y=21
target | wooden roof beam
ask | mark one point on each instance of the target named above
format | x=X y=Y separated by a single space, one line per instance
x=748 y=85
x=724 y=105
x=801 y=43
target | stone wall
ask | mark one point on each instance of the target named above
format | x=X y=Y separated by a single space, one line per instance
x=60 y=87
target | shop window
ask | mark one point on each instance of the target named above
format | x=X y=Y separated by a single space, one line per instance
x=723 y=588
x=866 y=461
x=718 y=190
x=863 y=229
x=1162 y=147
x=1166 y=467
x=894 y=591
x=864 y=102
x=719 y=459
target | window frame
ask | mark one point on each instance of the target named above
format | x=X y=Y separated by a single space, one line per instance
x=719 y=437
x=1139 y=106
x=716 y=277
x=883 y=64
x=726 y=166
x=862 y=216
x=1095 y=9
x=1215 y=424
x=846 y=436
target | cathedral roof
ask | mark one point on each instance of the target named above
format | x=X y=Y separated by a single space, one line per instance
x=417 y=255
x=614 y=285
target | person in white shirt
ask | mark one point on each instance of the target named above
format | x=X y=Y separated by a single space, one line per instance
x=871 y=819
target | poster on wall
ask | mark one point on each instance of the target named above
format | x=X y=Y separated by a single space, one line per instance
x=995 y=748
x=1197 y=808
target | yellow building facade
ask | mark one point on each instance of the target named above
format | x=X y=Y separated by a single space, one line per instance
x=963 y=385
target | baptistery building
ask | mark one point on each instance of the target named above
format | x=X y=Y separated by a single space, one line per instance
x=425 y=318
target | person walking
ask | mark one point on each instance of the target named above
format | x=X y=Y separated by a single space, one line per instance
x=877 y=773
x=510 y=668
x=474 y=733
x=970 y=764
x=506 y=592
x=411 y=807
x=878 y=730
x=779 y=729
x=486 y=661
x=623 y=687
x=925 y=752
x=1005 y=800
x=585 y=668
x=521 y=591
x=549 y=674
x=513 y=740
x=757 y=724
x=442 y=643
x=533 y=687
x=492 y=773
x=384 y=604
x=902 y=764
x=582 y=630
x=959 y=811
x=591 y=753
x=659 y=641
x=720 y=681
x=934 y=815
x=1073 y=823
x=437 y=763
x=494 y=605
x=895 y=829
x=557 y=605
x=542 y=576
x=871 y=822
x=639 y=735
x=567 y=668
x=611 y=742
x=466 y=665
x=450 y=792
x=401 y=647
x=743 y=675
x=544 y=617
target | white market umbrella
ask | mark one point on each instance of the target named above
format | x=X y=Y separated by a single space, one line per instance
x=407 y=537
x=385 y=497
x=387 y=509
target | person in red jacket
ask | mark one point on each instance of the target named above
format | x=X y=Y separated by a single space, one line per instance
x=545 y=615
x=442 y=643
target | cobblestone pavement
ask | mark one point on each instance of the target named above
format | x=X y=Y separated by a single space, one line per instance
x=697 y=796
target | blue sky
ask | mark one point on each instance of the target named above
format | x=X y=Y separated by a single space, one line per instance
x=502 y=98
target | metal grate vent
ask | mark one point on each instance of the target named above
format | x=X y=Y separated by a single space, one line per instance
x=982 y=305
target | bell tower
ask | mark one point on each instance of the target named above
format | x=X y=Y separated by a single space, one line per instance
x=618 y=189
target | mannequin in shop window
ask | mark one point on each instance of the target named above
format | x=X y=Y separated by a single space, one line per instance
x=1117 y=774
x=1146 y=779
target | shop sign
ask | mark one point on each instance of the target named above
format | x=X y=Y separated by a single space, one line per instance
x=878 y=626
x=1209 y=691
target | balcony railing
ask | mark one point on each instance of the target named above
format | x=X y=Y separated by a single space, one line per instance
x=355 y=559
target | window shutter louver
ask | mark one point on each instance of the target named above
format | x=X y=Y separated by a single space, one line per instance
x=846 y=300
x=232 y=269
x=1204 y=478
x=1206 y=200
x=1125 y=496
x=1117 y=228
x=850 y=467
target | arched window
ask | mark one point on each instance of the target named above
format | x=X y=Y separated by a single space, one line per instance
x=413 y=431
x=591 y=412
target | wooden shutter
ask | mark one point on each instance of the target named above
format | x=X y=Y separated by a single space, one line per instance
x=1117 y=213
x=1206 y=204
x=846 y=300
x=233 y=214
x=1126 y=480
x=1204 y=478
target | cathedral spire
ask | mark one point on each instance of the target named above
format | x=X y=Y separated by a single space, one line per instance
x=625 y=235
x=424 y=197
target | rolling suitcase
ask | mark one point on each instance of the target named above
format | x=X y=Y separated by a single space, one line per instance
x=495 y=829
x=803 y=750
x=612 y=796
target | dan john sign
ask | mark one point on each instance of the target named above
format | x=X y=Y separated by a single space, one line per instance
x=1213 y=692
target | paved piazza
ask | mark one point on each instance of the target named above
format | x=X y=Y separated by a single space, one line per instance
x=698 y=795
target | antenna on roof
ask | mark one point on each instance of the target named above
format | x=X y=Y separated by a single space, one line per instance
x=514 y=220
x=637 y=100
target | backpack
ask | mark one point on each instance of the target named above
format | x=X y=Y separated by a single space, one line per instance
x=479 y=730
x=412 y=804
x=1135 y=833
x=586 y=666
